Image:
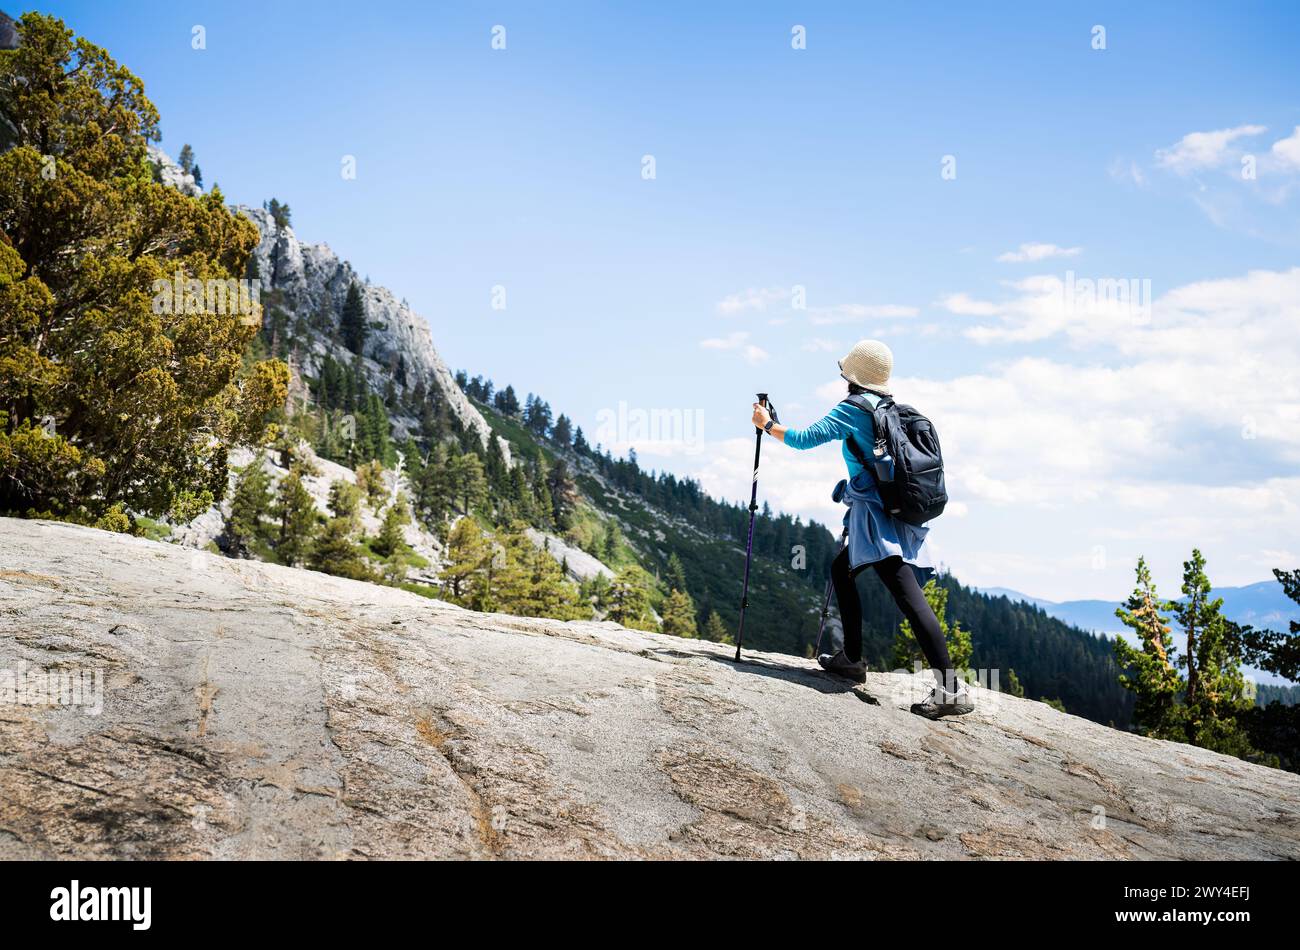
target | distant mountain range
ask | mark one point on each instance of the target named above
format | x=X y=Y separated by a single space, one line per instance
x=1260 y=605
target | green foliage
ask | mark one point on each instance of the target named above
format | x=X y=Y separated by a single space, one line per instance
x=467 y=564
x=336 y=552
x=352 y=324
x=1148 y=668
x=279 y=212
x=391 y=539
x=345 y=501
x=716 y=630
x=250 y=506
x=1013 y=686
x=628 y=599
x=296 y=515
x=679 y=615
x=370 y=483
x=1215 y=693
x=111 y=395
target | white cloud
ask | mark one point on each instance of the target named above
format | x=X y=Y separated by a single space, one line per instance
x=1037 y=252
x=738 y=341
x=1129 y=172
x=1287 y=150
x=968 y=306
x=752 y=299
x=1087 y=309
x=1201 y=150
x=822 y=345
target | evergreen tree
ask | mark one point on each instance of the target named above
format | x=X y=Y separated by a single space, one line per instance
x=506 y=402
x=676 y=575
x=580 y=443
x=113 y=395
x=1013 y=686
x=1215 y=694
x=679 y=615
x=352 y=324
x=609 y=548
x=1148 y=668
x=468 y=556
x=1277 y=652
x=296 y=513
x=533 y=584
x=279 y=212
x=370 y=481
x=345 y=501
x=391 y=540
x=564 y=496
x=468 y=483
x=335 y=552
x=562 y=433
x=186 y=159
x=628 y=601
x=250 y=504
x=715 y=629
x=433 y=489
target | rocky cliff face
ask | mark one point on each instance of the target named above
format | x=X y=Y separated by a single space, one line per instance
x=311 y=282
x=250 y=710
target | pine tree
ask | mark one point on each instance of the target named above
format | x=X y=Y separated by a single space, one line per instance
x=506 y=402
x=468 y=554
x=250 y=504
x=115 y=396
x=532 y=583
x=335 y=552
x=562 y=433
x=370 y=481
x=679 y=615
x=391 y=540
x=1216 y=690
x=628 y=600
x=1148 y=668
x=352 y=324
x=296 y=513
x=468 y=483
x=186 y=159
x=345 y=501
x=676 y=575
x=1013 y=685
x=715 y=629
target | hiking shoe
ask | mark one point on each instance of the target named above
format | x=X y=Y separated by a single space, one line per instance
x=943 y=703
x=841 y=665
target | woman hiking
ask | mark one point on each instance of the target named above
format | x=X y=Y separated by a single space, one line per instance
x=876 y=539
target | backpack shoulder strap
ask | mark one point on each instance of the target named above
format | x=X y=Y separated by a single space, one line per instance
x=860 y=402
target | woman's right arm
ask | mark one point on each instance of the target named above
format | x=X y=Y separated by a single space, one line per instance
x=836 y=424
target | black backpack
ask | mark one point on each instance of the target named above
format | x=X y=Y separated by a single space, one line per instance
x=916 y=492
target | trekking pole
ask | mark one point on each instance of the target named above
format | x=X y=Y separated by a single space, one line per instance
x=836 y=496
x=753 y=509
x=826 y=601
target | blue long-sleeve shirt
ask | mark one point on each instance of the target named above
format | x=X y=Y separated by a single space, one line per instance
x=873 y=533
x=842 y=422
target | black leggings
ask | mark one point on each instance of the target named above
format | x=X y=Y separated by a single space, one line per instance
x=898 y=577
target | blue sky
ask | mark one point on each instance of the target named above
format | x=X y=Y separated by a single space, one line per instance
x=1079 y=435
